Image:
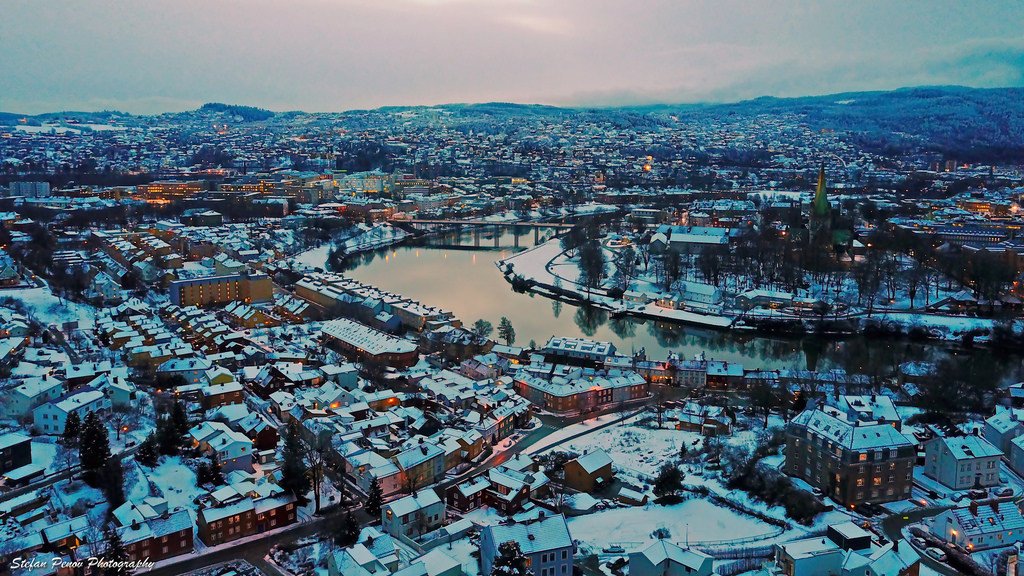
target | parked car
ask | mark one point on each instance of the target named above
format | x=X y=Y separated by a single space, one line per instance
x=978 y=494
x=936 y=554
x=616 y=549
x=1004 y=492
x=919 y=542
x=869 y=509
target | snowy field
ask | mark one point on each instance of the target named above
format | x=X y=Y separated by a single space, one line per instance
x=696 y=519
x=49 y=309
x=174 y=481
x=462 y=551
x=636 y=447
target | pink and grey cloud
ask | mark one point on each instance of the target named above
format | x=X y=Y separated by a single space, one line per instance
x=321 y=55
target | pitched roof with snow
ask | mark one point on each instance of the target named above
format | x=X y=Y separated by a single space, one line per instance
x=551 y=533
x=594 y=461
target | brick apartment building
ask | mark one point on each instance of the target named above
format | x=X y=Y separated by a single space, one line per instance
x=244 y=518
x=853 y=460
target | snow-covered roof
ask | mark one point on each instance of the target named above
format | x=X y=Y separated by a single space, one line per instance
x=414 y=502
x=832 y=424
x=969 y=447
x=662 y=550
x=988 y=517
x=370 y=340
x=594 y=461
x=546 y=534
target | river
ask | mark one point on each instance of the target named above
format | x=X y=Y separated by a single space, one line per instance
x=465 y=281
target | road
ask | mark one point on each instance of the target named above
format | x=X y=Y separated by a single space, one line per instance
x=893 y=526
x=57 y=477
x=255 y=550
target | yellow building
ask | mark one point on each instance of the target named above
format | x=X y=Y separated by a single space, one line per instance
x=245 y=287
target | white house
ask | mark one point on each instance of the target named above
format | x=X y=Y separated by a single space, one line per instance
x=700 y=292
x=50 y=418
x=31 y=392
x=962 y=462
x=666 y=559
x=1016 y=454
x=413 y=515
x=546 y=542
x=1004 y=426
x=846 y=550
x=981 y=525
x=233 y=449
x=193 y=370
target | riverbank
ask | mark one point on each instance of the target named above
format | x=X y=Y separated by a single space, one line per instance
x=533 y=271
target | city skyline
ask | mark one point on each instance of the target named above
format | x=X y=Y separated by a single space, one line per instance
x=326 y=55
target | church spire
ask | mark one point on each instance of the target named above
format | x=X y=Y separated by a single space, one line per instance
x=821 y=206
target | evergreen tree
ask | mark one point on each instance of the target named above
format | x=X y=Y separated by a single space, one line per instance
x=95 y=448
x=148 y=452
x=72 y=428
x=374 y=499
x=483 y=327
x=669 y=480
x=202 y=473
x=216 y=475
x=168 y=437
x=112 y=480
x=506 y=332
x=180 y=418
x=115 y=552
x=347 y=531
x=510 y=561
x=294 y=475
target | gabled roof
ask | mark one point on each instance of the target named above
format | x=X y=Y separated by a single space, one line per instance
x=662 y=550
x=414 y=502
x=594 y=461
x=546 y=534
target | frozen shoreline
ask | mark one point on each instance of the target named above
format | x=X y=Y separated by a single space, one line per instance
x=533 y=268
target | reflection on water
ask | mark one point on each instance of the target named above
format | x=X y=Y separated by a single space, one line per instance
x=463 y=279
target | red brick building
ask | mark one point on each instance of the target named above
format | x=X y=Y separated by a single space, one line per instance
x=245 y=518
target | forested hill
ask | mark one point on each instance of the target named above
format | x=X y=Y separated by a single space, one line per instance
x=967 y=123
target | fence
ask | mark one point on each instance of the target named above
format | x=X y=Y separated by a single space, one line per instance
x=735 y=553
x=739 y=566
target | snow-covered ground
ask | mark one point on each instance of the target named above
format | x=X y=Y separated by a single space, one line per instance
x=175 y=481
x=313 y=258
x=462 y=550
x=361 y=238
x=45 y=452
x=948 y=327
x=48 y=309
x=640 y=449
x=548 y=266
x=694 y=521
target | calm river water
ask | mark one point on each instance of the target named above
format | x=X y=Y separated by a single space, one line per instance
x=466 y=281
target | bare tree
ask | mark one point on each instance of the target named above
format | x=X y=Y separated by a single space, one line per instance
x=315 y=452
x=121 y=419
x=659 y=404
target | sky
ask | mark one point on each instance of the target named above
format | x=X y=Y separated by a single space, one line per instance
x=148 y=56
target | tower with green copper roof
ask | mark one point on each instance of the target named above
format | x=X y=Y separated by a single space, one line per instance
x=821 y=213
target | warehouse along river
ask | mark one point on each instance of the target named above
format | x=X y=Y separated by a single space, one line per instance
x=465 y=281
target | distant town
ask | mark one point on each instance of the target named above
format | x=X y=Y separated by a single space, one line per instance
x=503 y=340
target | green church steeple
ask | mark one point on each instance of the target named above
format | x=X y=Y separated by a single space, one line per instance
x=821 y=206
